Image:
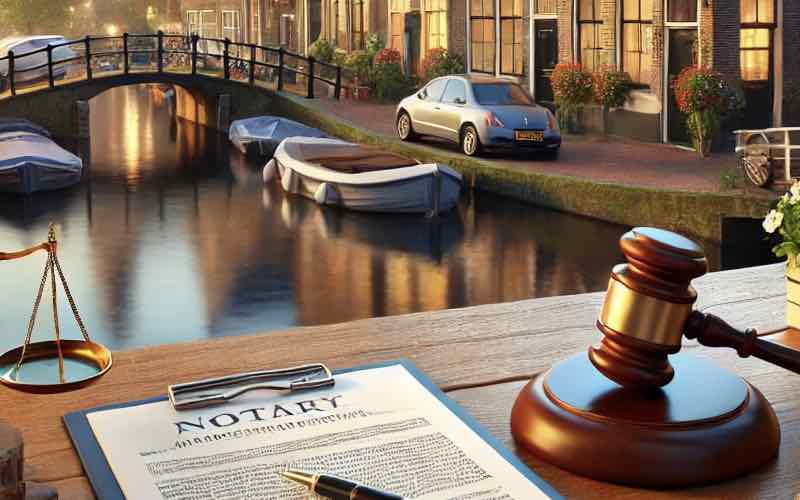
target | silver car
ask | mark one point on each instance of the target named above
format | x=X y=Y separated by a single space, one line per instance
x=479 y=113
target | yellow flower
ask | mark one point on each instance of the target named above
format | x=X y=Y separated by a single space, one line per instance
x=772 y=221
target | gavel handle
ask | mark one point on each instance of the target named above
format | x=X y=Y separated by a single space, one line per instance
x=712 y=331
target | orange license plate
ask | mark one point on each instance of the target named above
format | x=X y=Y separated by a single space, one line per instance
x=529 y=135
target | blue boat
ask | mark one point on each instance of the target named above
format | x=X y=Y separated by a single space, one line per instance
x=30 y=160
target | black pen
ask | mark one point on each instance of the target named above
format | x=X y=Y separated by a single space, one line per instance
x=337 y=488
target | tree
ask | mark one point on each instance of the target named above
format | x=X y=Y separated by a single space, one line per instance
x=29 y=17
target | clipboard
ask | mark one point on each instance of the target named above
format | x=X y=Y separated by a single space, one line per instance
x=106 y=487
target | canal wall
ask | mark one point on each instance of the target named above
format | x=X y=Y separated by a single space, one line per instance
x=214 y=102
x=698 y=214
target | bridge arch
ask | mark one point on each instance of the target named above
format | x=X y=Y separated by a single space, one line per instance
x=204 y=99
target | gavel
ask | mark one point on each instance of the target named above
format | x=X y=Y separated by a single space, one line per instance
x=648 y=309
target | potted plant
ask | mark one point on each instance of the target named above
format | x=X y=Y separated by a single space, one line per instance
x=572 y=89
x=438 y=62
x=389 y=82
x=611 y=88
x=704 y=97
x=783 y=222
x=359 y=63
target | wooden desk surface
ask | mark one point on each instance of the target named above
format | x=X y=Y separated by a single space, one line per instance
x=480 y=355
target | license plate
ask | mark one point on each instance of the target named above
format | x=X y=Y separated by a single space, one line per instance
x=529 y=135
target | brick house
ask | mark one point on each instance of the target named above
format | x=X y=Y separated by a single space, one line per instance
x=416 y=26
x=755 y=44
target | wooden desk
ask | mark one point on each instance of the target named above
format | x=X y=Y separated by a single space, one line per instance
x=480 y=355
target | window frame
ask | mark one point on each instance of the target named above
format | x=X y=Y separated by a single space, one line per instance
x=440 y=12
x=515 y=43
x=756 y=25
x=483 y=18
x=597 y=22
x=639 y=22
x=450 y=82
x=236 y=27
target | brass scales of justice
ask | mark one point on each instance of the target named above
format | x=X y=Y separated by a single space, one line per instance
x=85 y=351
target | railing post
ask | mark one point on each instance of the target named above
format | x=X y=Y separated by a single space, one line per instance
x=126 y=64
x=160 y=51
x=195 y=39
x=88 y=45
x=280 y=68
x=12 y=85
x=226 y=60
x=337 y=90
x=310 y=77
x=252 y=65
x=50 y=78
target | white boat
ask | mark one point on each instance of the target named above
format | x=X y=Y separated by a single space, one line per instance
x=339 y=173
x=260 y=135
x=30 y=161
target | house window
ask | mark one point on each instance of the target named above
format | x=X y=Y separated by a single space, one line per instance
x=230 y=25
x=192 y=22
x=637 y=40
x=682 y=11
x=511 y=37
x=436 y=23
x=589 y=24
x=482 y=39
x=755 y=52
x=546 y=7
x=359 y=40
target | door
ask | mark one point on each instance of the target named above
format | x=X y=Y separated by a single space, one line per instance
x=426 y=114
x=682 y=52
x=452 y=108
x=545 y=57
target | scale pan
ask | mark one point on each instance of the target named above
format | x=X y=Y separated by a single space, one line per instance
x=39 y=373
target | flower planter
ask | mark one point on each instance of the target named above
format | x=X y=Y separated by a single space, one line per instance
x=361 y=93
x=792 y=294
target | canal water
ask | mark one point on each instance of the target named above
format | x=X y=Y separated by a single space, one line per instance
x=172 y=236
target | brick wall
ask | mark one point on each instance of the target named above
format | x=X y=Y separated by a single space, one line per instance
x=565 y=24
x=608 y=32
x=457 y=34
x=657 y=67
x=724 y=53
x=791 y=63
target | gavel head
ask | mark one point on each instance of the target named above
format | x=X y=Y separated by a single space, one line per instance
x=647 y=304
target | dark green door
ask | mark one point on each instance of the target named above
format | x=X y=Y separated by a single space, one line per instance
x=682 y=53
x=546 y=57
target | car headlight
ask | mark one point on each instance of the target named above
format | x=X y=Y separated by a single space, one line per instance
x=493 y=121
x=552 y=123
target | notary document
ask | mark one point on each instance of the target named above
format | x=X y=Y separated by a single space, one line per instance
x=378 y=426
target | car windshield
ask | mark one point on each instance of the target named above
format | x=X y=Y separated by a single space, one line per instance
x=500 y=94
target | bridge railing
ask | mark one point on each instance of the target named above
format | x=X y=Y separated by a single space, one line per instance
x=158 y=53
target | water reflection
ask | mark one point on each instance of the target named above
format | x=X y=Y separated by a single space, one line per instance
x=172 y=236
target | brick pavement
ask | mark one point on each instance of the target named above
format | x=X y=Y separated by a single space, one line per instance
x=611 y=159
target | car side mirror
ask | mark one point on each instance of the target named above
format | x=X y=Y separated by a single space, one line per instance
x=420 y=96
x=459 y=100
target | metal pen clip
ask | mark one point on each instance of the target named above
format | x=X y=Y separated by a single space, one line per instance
x=214 y=391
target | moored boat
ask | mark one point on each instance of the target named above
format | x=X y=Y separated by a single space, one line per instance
x=30 y=160
x=260 y=135
x=339 y=173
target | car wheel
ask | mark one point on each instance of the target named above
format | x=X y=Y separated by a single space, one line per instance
x=470 y=142
x=404 y=128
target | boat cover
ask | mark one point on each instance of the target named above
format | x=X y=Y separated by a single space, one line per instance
x=262 y=134
x=33 y=162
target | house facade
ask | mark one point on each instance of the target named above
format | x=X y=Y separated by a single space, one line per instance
x=754 y=44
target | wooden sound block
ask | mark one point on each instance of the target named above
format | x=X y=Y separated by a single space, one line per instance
x=706 y=425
